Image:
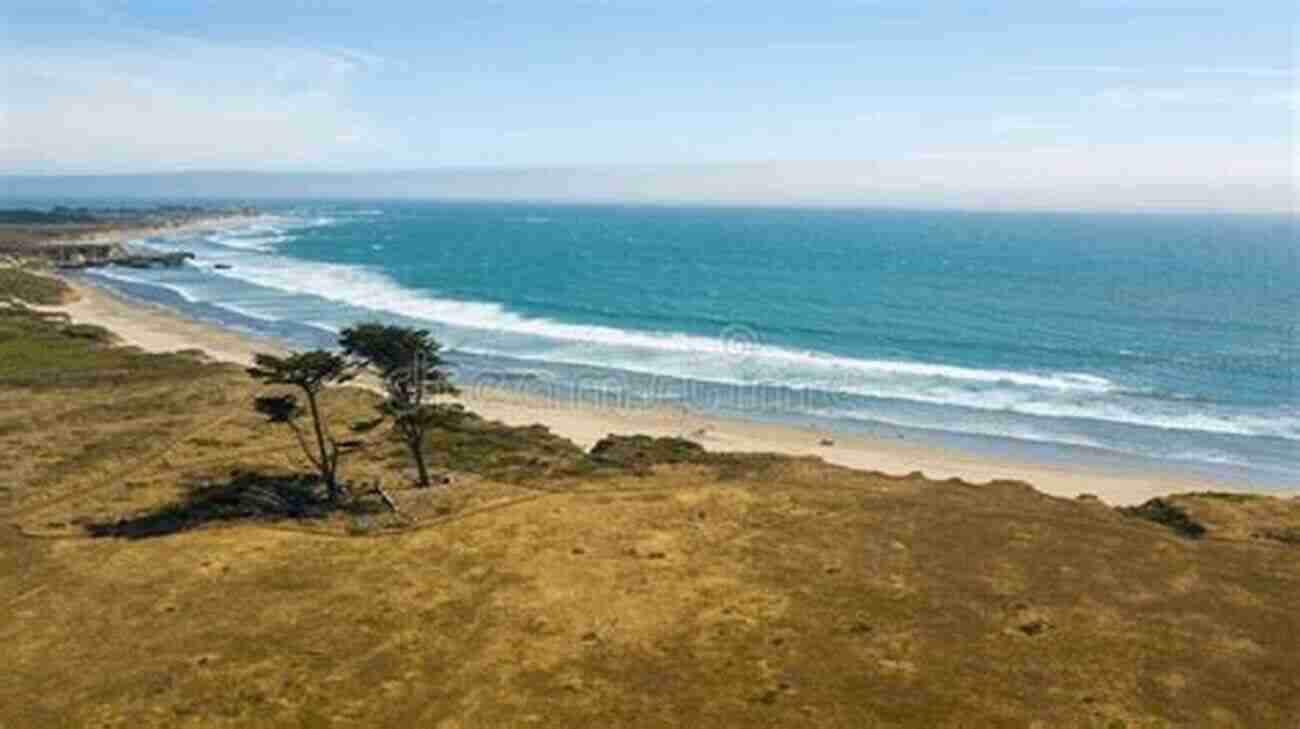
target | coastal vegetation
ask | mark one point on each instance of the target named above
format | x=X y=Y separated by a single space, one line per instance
x=407 y=363
x=18 y=286
x=162 y=565
x=309 y=373
x=1169 y=514
x=83 y=237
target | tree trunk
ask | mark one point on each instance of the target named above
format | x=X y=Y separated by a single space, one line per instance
x=418 y=453
x=328 y=464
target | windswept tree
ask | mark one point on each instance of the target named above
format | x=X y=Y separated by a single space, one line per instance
x=408 y=363
x=310 y=372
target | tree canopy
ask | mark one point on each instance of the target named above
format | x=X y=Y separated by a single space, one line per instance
x=310 y=372
x=407 y=360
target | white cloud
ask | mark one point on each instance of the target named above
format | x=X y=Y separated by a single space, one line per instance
x=167 y=102
x=170 y=102
x=1262 y=72
x=1194 y=97
x=1008 y=125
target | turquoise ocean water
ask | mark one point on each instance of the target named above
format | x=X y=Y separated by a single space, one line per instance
x=1156 y=342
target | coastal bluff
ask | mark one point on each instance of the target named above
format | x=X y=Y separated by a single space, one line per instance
x=164 y=564
x=75 y=238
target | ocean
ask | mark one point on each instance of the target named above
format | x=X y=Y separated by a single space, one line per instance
x=1159 y=343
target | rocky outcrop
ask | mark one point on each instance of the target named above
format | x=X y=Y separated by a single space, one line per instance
x=127 y=258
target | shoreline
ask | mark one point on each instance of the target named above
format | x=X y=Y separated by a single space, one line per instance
x=128 y=235
x=216 y=222
x=158 y=329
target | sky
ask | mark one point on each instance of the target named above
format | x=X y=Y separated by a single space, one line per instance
x=1097 y=105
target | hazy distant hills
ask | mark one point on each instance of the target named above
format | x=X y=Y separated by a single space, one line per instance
x=440 y=183
x=916 y=183
x=721 y=183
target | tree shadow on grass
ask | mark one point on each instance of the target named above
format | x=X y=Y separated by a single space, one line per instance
x=1168 y=514
x=247 y=496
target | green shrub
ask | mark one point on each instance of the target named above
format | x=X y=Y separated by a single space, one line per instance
x=638 y=453
x=17 y=284
x=1170 y=515
x=1230 y=497
x=1289 y=535
x=90 y=332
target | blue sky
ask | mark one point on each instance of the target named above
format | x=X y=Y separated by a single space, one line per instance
x=1183 y=100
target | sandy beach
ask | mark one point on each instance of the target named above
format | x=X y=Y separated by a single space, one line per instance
x=126 y=234
x=158 y=329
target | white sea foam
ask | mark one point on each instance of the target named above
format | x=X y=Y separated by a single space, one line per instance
x=1216 y=457
x=325 y=326
x=357 y=286
x=1003 y=399
x=114 y=274
x=491 y=329
x=262 y=234
x=263 y=243
x=250 y=313
x=1026 y=432
x=968 y=427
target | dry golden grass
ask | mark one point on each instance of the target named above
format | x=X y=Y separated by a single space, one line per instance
x=542 y=589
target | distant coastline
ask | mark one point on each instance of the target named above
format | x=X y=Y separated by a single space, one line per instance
x=78 y=234
x=860 y=184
